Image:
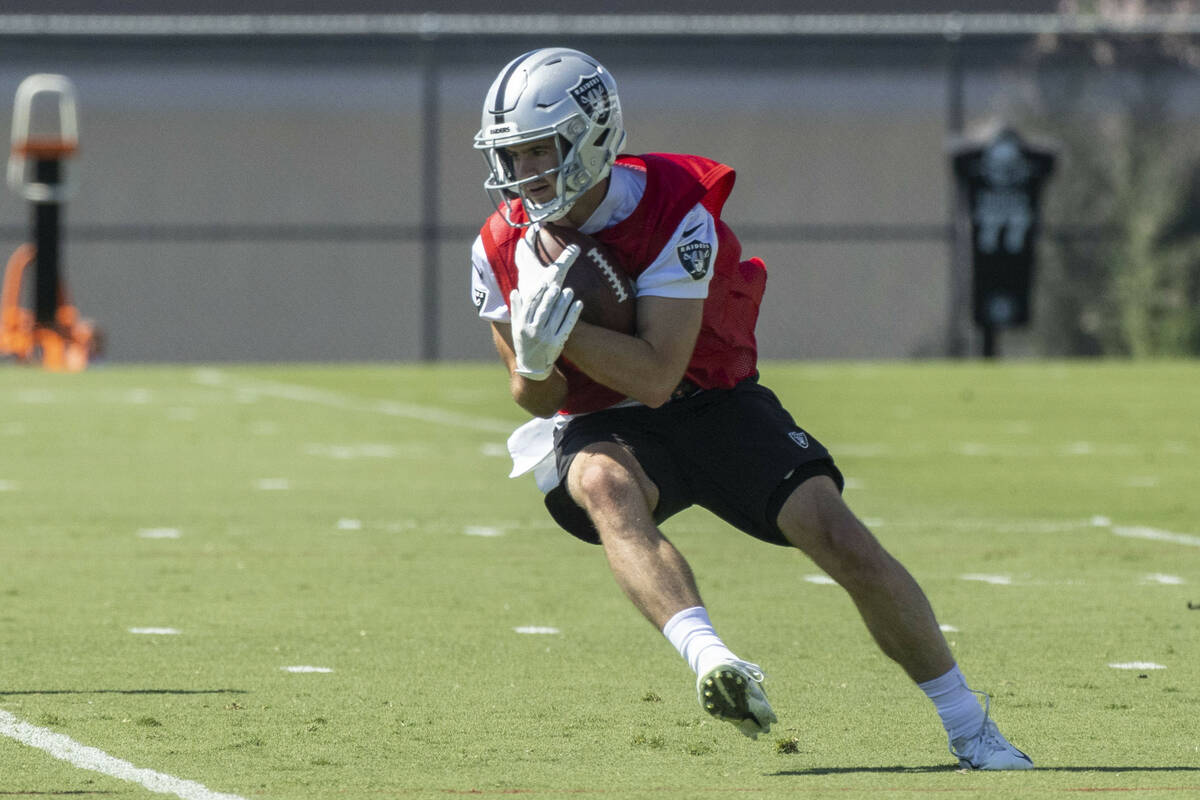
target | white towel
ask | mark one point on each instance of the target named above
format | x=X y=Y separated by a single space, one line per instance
x=532 y=449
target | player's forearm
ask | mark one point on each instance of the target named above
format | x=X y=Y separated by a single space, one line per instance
x=539 y=398
x=627 y=364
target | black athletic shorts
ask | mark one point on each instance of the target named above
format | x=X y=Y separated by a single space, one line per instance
x=736 y=452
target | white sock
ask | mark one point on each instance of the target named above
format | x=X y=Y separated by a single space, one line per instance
x=693 y=636
x=956 y=704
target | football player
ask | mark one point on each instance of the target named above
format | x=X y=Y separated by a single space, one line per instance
x=628 y=430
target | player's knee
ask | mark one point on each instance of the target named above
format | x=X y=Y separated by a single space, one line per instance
x=599 y=481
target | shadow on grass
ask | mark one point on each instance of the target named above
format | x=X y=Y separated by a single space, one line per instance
x=954 y=768
x=1117 y=769
x=52 y=793
x=7 y=693
x=863 y=770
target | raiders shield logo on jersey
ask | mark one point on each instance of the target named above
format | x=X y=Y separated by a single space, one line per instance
x=695 y=257
x=592 y=97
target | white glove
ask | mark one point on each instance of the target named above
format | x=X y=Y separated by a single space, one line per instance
x=540 y=327
x=532 y=274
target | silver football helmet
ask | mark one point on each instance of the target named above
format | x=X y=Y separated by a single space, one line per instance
x=551 y=92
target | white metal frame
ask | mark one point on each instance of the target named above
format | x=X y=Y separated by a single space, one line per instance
x=20 y=169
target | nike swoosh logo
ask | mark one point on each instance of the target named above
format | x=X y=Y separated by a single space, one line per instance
x=690 y=231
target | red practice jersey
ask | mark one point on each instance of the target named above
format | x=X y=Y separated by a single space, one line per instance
x=726 y=350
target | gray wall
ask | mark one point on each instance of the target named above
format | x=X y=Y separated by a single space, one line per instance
x=193 y=7
x=246 y=199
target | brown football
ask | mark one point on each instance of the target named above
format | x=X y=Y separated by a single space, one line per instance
x=596 y=277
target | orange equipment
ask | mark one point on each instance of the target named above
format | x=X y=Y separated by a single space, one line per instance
x=65 y=345
x=52 y=332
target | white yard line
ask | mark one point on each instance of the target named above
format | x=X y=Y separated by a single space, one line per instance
x=324 y=397
x=159 y=533
x=1050 y=526
x=1156 y=535
x=486 y=531
x=79 y=755
x=995 y=580
x=1137 y=665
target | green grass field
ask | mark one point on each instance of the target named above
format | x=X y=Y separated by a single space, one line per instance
x=358 y=519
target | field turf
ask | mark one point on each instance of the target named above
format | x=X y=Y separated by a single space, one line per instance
x=318 y=582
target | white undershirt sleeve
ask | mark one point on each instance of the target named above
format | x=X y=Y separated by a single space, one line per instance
x=485 y=291
x=684 y=266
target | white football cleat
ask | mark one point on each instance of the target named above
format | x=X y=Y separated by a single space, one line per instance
x=988 y=749
x=732 y=692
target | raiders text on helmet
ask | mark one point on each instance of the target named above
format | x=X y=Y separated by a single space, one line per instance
x=551 y=92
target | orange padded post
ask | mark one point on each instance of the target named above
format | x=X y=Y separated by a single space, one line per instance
x=16 y=323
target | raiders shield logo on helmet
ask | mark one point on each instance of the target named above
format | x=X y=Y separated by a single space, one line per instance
x=591 y=96
x=695 y=257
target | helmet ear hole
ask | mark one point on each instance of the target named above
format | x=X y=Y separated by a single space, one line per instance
x=565 y=148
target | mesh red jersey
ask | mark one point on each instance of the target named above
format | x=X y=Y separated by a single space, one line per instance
x=726 y=351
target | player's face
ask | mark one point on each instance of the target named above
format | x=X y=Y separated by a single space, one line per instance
x=533 y=159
